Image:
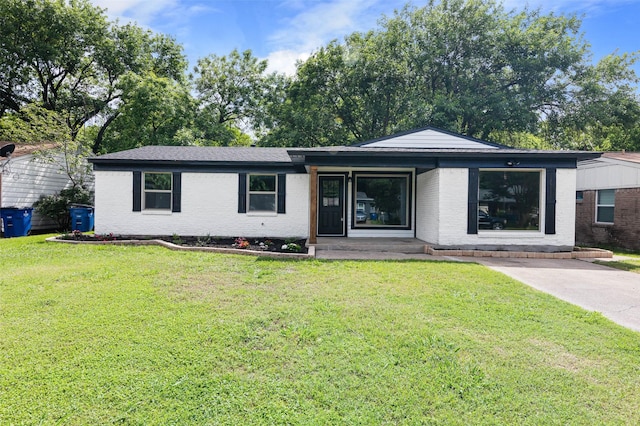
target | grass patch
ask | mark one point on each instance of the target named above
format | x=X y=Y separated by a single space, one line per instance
x=143 y=335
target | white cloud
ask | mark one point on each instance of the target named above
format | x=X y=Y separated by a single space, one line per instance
x=284 y=61
x=318 y=22
x=143 y=11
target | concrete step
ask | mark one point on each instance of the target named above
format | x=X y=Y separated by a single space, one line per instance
x=393 y=245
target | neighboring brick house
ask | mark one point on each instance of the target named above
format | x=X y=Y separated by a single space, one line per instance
x=608 y=200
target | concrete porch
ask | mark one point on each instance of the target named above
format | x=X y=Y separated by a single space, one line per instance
x=391 y=245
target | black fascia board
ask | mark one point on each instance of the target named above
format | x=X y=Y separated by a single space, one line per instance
x=429 y=160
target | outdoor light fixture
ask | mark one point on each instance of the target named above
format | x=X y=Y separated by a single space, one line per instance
x=511 y=163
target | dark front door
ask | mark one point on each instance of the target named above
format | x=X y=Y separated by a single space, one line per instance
x=331 y=205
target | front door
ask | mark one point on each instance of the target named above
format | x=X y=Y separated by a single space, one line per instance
x=331 y=205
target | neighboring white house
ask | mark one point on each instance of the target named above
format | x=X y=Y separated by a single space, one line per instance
x=25 y=178
x=608 y=200
x=427 y=184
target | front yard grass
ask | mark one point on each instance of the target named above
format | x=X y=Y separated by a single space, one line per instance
x=144 y=335
x=629 y=262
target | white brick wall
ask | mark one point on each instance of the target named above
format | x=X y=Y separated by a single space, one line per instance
x=209 y=207
x=427 y=206
x=452 y=213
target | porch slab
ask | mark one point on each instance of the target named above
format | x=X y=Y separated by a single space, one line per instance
x=391 y=245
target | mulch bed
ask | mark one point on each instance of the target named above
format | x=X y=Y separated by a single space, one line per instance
x=275 y=245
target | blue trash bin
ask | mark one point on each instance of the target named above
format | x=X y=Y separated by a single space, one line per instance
x=81 y=218
x=15 y=221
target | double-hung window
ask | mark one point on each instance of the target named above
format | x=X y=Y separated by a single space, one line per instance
x=157 y=191
x=262 y=193
x=605 y=205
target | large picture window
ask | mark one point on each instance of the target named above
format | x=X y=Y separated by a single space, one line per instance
x=382 y=200
x=157 y=191
x=605 y=205
x=262 y=193
x=509 y=200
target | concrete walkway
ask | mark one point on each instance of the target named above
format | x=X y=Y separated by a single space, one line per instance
x=613 y=293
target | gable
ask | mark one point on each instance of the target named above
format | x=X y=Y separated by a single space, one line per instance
x=429 y=139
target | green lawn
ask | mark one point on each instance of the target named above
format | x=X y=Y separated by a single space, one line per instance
x=144 y=335
x=630 y=262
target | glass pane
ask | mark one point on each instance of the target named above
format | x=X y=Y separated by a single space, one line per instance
x=330 y=193
x=266 y=183
x=262 y=202
x=605 y=214
x=157 y=200
x=509 y=200
x=381 y=201
x=157 y=181
x=607 y=197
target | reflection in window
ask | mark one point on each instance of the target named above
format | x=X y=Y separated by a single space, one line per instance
x=509 y=200
x=262 y=193
x=381 y=201
x=157 y=191
x=605 y=205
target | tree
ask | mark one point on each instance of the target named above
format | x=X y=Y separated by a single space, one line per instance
x=601 y=110
x=153 y=110
x=466 y=66
x=67 y=58
x=233 y=92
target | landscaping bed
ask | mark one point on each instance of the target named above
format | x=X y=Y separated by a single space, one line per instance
x=273 y=245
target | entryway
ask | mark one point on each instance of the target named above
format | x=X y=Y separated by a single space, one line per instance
x=331 y=205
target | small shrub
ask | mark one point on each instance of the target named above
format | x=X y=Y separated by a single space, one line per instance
x=241 y=243
x=56 y=206
x=291 y=247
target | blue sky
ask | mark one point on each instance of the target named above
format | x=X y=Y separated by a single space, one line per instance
x=283 y=31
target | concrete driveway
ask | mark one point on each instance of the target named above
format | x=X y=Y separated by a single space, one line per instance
x=613 y=293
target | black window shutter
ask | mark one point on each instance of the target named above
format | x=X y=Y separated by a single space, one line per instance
x=282 y=192
x=177 y=192
x=137 y=191
x=472 y=197
x=242 y=192
x=550 y=203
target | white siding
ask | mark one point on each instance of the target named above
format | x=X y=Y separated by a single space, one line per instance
x=429 y=139
x=606 y=173
x=25 y=179
x=209 y=207
x=453 y=215
x=428 y=206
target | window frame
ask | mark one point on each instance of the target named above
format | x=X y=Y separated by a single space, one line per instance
x=598 y=205
x=542 y=190
x=408 y=176
x=157 y=191
x=250 y=193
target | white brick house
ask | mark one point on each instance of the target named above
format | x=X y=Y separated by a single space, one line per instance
x=448 y=190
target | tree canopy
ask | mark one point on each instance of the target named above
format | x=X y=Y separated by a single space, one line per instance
x=520 y=77
x=466 y=66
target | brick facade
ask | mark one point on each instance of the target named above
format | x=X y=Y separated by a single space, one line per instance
x=625 y=230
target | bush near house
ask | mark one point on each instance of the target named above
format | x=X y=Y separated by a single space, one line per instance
x=56 y=206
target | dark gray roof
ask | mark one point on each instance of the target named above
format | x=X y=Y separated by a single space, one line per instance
x=198 y=154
